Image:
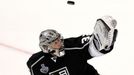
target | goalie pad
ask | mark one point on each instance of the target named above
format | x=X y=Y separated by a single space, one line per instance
x=105 y=32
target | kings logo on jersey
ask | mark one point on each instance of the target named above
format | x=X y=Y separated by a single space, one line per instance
x=61 y=71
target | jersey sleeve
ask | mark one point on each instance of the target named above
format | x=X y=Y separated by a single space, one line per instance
x=88 y=43
x=32 y=60
x=77 y=42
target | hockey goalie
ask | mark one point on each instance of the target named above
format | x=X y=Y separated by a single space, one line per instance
x=59 y=56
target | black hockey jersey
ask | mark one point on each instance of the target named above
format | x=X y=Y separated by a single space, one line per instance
x=74 y=62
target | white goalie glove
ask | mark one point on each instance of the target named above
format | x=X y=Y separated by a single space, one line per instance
x=105 y=32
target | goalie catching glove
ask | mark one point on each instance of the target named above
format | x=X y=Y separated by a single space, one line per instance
x=105 y=32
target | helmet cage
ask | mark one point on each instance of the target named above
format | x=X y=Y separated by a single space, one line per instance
x=46 y=38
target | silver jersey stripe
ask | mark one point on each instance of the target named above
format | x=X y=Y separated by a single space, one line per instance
x=77 y=47
x=35 y=63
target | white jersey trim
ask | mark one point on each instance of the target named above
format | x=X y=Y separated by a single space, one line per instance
x=77 y=47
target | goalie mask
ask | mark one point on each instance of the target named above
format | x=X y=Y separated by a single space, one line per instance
x=51 y=42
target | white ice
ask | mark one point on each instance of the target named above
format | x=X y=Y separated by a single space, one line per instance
x=21 y=21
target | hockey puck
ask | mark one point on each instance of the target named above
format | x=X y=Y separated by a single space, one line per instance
x=71 y=2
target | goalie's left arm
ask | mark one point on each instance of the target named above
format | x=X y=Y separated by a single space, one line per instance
x=104 y=36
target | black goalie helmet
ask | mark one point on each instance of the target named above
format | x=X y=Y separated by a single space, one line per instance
x=47 y=37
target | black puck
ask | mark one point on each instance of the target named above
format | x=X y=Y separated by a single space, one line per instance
x=71 y=2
